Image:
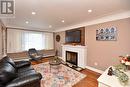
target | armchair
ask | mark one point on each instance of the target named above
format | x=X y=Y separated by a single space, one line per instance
x=34 y=55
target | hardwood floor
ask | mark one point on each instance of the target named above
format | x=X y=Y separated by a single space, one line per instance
x=89 y=81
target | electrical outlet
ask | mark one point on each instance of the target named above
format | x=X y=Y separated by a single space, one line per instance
x=95 y=63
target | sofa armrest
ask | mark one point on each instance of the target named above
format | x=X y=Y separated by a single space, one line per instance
x=20 y=64
x=25 y=80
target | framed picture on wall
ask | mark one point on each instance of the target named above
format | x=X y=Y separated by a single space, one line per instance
x=106 y=34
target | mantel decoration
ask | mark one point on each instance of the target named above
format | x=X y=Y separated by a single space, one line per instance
x=106 y=34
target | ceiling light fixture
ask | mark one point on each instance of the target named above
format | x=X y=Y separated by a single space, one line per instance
x=26 y=22
x=63 y=21
x=50 y=26
x=33 y=13
x=89 y=10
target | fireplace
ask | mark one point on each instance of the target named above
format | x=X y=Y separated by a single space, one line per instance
x=81 y=52
x=72 y=57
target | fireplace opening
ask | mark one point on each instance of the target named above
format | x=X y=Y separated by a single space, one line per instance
x=72 y=57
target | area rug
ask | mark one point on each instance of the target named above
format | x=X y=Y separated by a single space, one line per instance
x=62 y=76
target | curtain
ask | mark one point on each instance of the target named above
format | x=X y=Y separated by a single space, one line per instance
x=49 y=42
x=21 y=40
x=14 y=40
x=0 y=41
x=3 y=36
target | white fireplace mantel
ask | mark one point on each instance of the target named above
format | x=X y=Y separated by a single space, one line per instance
x=82 y=53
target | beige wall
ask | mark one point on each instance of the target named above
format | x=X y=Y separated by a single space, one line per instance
x=104 y=53
x=58 y=45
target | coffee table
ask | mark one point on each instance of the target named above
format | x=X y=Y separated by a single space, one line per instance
x=55 y=64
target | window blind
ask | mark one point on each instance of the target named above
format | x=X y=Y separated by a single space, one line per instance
x=21 y=40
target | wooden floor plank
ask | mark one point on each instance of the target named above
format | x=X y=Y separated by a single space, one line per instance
x=90 y=80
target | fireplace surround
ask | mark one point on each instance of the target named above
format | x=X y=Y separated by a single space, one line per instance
x=81 y=54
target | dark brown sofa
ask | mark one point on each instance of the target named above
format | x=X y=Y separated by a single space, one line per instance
x=18 y=74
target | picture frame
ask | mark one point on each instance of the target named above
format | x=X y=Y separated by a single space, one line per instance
x=106 y=34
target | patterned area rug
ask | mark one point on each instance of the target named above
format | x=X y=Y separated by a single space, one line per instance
x=58 y=76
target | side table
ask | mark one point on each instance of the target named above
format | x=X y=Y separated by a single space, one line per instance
x=111 y=81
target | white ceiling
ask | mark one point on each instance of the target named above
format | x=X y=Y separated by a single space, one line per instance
x=51 y=12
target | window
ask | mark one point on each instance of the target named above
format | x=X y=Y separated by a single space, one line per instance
x=21 y=40
x=33 y=40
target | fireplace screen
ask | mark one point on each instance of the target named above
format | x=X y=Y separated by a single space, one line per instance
x=72 y=57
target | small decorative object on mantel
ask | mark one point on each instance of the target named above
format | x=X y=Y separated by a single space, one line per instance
x=107 y=34
x=74 y=44
x=110 y=71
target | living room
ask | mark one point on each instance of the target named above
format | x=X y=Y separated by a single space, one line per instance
x=76 y=44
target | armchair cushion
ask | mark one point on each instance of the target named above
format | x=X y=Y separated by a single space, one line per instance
x=34 y=55
x=26 y=68
x=28 y=72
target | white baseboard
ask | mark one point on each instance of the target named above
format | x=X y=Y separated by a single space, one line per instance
x=91 y=68
x=94 y=69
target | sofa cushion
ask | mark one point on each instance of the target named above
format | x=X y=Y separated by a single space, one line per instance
x=26 y=81
x=26 y=73
x=7 y=73
x=20 y=64
x=26 y=68
x=9 y=60
x=1 y=85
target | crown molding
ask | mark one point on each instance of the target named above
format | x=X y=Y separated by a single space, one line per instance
x=114 y=17
x=28 y=29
